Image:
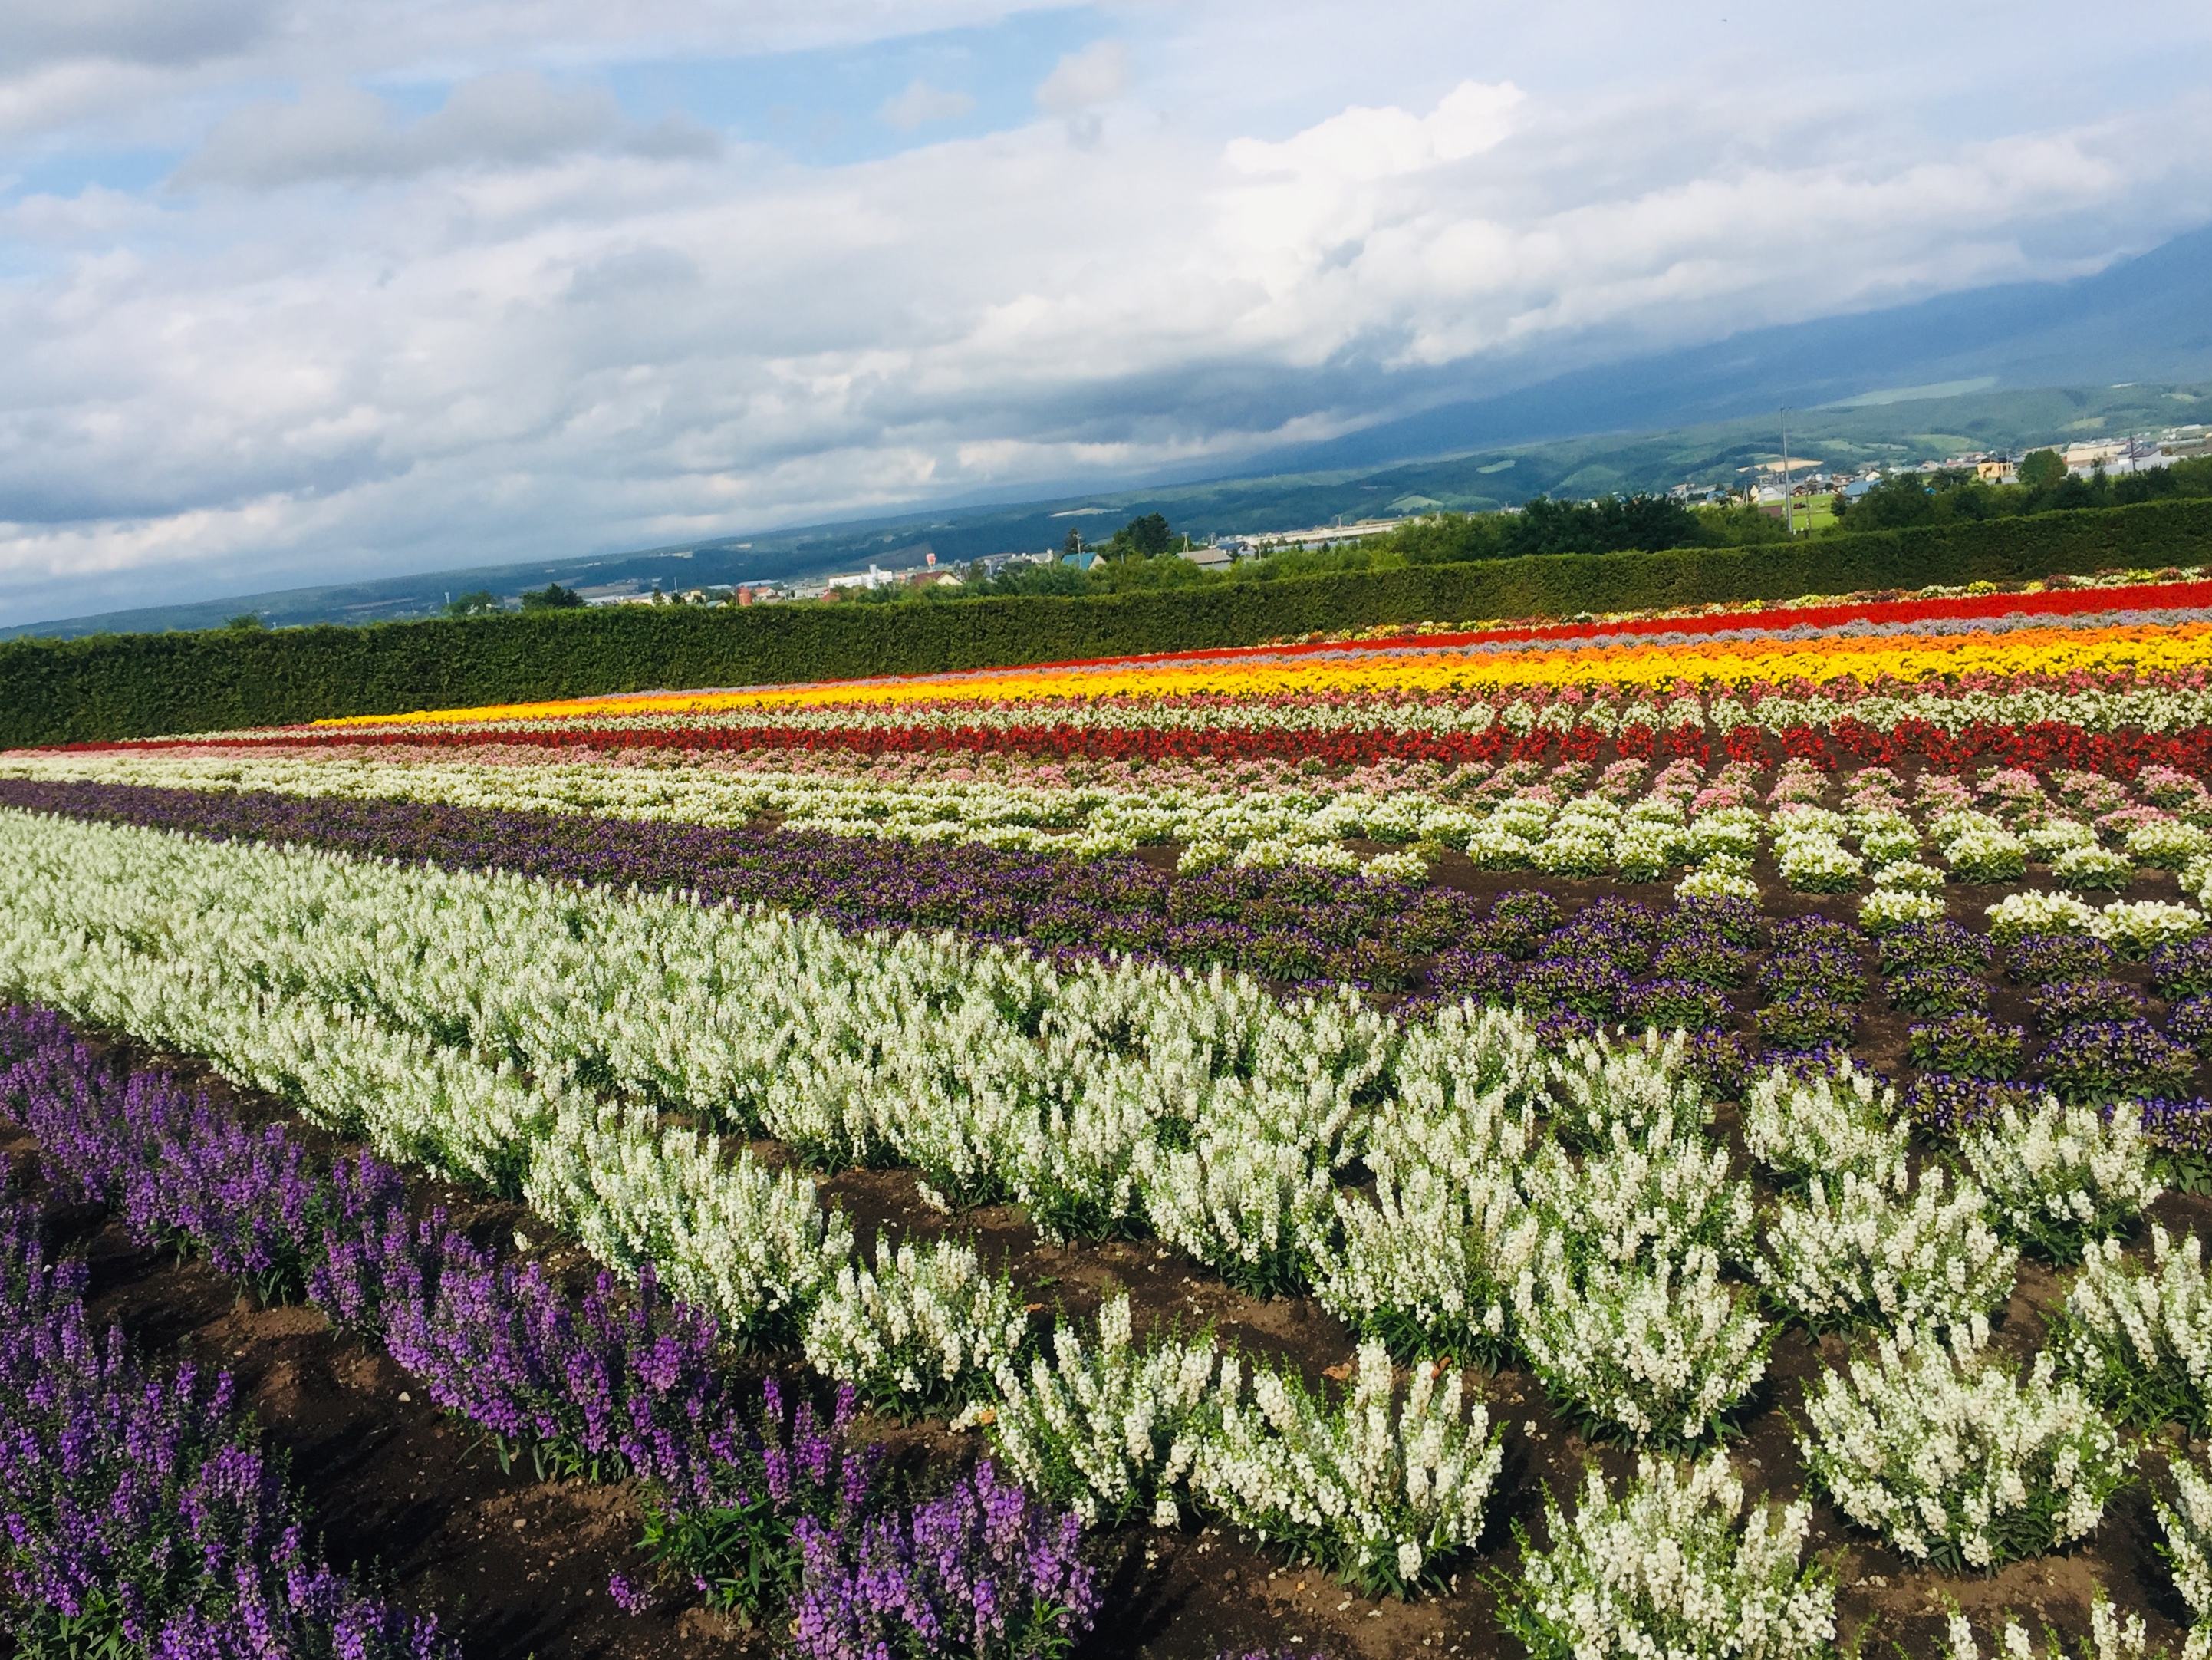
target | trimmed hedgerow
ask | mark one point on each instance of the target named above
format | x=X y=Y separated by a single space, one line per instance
x=109 y=686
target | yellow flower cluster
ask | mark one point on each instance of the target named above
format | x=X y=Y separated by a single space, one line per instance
x=1418 y=671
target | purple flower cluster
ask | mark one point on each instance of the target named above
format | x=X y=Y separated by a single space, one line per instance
x=180 y=1171
x=1666 y=1005
x=1944 y=1105
x=2059 y=1004
x=2183 y=967
x=2190 y=1021
x=735 y=1539
x=2037 y=959
x=620 y=1380
x=1938 y=988
x=1814 y=956
x=1970 y=1045
x=1937 y=943
x=137 y=1509
x=2102 y=1062
x=2183 y=1132
x=984 y=1571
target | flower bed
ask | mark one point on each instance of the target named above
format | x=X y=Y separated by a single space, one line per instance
x=1657 y=1043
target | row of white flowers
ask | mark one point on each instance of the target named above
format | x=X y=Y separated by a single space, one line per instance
x=1678 y=1564
x=2138 y=1335
x=518 y=1032
x=1385 y=1487
x=1956 y=1457
x=522 y=1034
x=1286 y=819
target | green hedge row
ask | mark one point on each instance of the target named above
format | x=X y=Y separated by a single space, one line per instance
x=109 y=686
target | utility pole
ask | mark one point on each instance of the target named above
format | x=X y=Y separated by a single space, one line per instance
x=1788 y=501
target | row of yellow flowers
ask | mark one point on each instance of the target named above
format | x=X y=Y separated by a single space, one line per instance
x=2142 y=648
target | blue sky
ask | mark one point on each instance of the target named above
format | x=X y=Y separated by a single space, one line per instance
x=306 y=290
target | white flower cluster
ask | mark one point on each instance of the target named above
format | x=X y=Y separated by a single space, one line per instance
x=2134 y=928
x=1881 y=1249
x=2058 y=1175
x=753 y=1245
x=1106 y=1427
x=2140 y=1339
x=1429 y=1263
x=1840 y=1118
x=1656 y=1197
x=2187 y=1524
x=2111 y=1638
x=1381 y=1489
x=477 y=1022
x=1891 y=907
x=2092 y=868
x=1979 y=849
x=319 y=979
x=1636 y=1087
x=2020 y=913
x=1908 y=875
x=1246 y=1204
x=1954 y=1458
x=1717 y=880
x=1652 y=1352
x=473 y=1021
x=1676 y=1566
x=2168 y=843
x=925 y=1327
x=1809 y=852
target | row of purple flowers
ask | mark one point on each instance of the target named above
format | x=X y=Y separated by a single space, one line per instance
x=138 y=1512
x=752 y=1500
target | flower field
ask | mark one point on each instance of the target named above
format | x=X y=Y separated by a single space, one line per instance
x=1680 y=1133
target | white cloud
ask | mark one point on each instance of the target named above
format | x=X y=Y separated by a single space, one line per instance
x=920 y=104
x=533 y=336
x=163 y=32
x=1084 y=80
x=1383 y=143
x=514 y=119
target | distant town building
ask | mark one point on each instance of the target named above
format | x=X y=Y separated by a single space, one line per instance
x=1326 y=536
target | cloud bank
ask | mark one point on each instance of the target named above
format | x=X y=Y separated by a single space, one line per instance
x=287 y=297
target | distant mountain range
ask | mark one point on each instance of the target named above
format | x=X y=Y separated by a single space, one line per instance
x=1998 y=368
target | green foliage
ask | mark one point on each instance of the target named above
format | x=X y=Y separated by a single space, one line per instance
x=1148 y=537
x=1898 y=502
x=1617 y=524
x=137 y=685
x=245 y=619
x=473 y=603
x=552 y=597
x=1907 y=498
